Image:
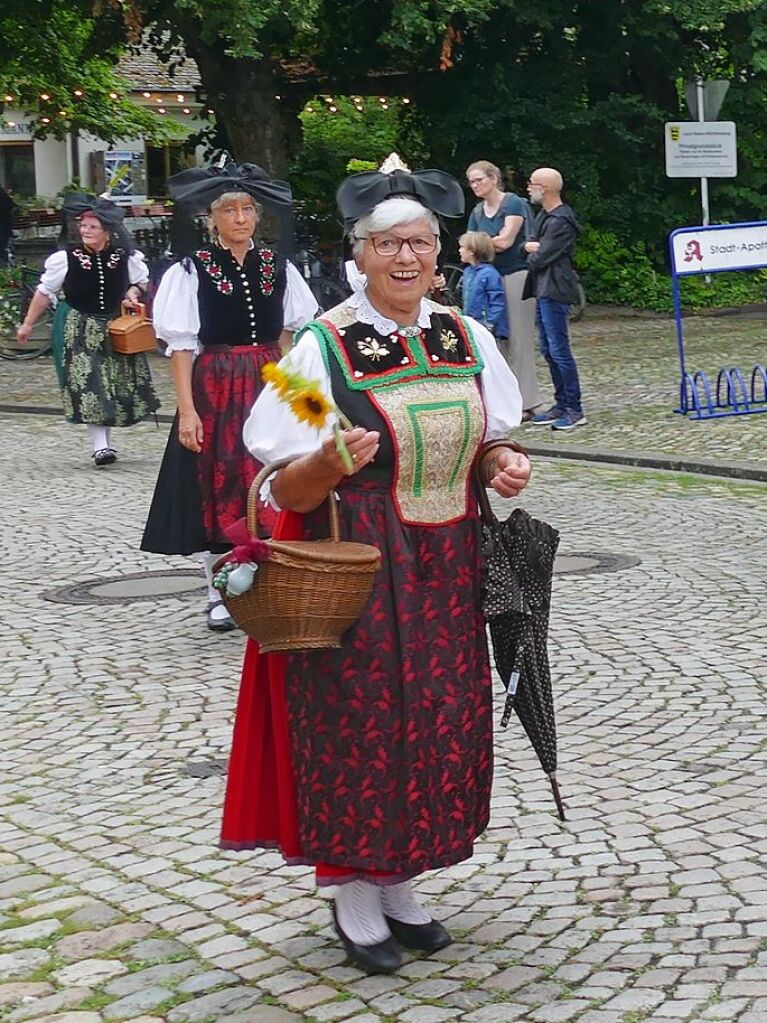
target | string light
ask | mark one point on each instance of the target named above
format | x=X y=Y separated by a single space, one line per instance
x=113 y=95
x=333 y=109
x=405 y=99
x=161 y=110
x=147 y=95
x=11 y=124
x=211 y=111
x=187 y=110
x=78 y=92
x=9 y=99
x=45 y=120
x=179 y=98
x=44 y=95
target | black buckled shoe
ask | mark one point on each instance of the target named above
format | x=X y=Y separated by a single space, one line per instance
x=106 y=456
x=429 y=937
x=219 y=624
x=381 y=958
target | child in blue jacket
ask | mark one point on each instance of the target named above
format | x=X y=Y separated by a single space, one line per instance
x=483 y=296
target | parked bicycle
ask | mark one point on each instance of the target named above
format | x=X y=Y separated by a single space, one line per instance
x=17 y=288
x=325 y=277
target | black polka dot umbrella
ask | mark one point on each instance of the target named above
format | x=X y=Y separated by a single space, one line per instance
x=518 y=563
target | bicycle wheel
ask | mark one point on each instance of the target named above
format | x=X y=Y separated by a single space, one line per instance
x=13 y=307
x=327 y=292
x=577 y=309
x=453 y=290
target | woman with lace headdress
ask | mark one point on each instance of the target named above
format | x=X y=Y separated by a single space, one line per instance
x=373 y=762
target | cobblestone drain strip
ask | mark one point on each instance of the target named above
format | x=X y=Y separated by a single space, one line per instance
x=671 y=463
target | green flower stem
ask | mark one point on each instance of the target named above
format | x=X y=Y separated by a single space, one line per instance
x=342 y=449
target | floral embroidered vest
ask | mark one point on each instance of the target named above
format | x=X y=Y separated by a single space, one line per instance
x=239 y=305
x=96 y=282
x=422 y=394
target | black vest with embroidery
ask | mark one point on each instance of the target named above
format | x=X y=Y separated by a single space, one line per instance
x=240 y=305
x=96 y=282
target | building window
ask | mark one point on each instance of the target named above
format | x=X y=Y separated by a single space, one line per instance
x=164 y=161
x=17 y=167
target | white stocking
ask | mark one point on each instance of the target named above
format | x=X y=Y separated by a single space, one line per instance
x=99 y=437
x=208 y=561
x=358 y=907
x=399 y=902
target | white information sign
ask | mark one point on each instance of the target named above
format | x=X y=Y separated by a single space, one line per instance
x=701 y=149
x=697 y=250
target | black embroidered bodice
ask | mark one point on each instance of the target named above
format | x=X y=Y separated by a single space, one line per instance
x=240 y=305
x=96 y=282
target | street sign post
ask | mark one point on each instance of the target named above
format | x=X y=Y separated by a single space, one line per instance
x=710 y=250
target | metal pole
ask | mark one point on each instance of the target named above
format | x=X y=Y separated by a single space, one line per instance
x=703 y=181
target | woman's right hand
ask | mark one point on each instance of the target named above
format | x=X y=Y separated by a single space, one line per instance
x=190 y=431
x=362 y=445
x=23 y=332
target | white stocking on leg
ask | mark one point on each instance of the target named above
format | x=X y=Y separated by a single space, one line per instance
x=399 y=902
x=99 y=437
x=208 y=561
x=360 y=917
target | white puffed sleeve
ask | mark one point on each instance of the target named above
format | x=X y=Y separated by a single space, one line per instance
x=271 y=430
x=138 y=272
x=500 y=390
x=52 y=279
x=174 y=313
x=299 y=304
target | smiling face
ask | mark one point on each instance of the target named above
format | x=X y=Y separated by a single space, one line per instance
x=235 y=220
x=398 y=282
x=92 y=232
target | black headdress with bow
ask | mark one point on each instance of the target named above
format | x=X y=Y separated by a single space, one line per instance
x=108 y=214
x=435 y=189
x=194 y=191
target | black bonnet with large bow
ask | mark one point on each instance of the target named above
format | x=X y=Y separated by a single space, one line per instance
x=108 y=214
x=195 y=189
x=435 y=189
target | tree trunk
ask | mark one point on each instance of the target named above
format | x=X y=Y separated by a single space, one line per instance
x=242 y=92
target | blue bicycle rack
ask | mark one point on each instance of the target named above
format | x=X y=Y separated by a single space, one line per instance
x=693 y=251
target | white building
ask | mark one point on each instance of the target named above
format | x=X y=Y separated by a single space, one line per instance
x=42 y=167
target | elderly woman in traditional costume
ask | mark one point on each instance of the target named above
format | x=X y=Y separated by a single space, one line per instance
x=374 y=762
x=223 y=311
x=99 y=387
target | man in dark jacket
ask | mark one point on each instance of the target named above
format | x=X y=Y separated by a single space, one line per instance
x=552 y=281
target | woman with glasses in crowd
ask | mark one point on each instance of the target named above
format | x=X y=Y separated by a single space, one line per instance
x=502 y=215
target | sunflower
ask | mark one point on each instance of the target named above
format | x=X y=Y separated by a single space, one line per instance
x=272 y=374
x=310 y=406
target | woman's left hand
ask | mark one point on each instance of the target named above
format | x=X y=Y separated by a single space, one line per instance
x=132 y=297
x=512 y=472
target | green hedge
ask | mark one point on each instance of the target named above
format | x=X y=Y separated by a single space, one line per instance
x=614 y=273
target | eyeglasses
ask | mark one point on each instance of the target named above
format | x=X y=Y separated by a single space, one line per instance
x=391 y=245
x=232 y=211
x=476 y=180
x=536 y=184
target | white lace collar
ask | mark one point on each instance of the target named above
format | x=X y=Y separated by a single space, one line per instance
x=366 y=313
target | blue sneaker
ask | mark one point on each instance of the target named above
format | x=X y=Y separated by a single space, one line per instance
x=569 y=420
x=546 y=418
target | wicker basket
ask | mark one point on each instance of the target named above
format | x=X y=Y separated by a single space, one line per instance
x=309 y=592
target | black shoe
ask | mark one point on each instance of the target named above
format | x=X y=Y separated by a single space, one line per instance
x=105 y=456
x=219 y=624
x=381 y=958
x=429 y=937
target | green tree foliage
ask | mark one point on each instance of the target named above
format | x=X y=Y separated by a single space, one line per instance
x=58 y=65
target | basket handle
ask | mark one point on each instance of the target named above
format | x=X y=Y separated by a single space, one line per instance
x=131 y=310
x=270 y=470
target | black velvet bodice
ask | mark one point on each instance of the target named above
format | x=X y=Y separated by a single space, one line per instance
x=240 y=305
x=96 y=282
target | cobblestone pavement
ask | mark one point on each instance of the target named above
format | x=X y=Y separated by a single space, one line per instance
x=629 y=375
x=648 y=904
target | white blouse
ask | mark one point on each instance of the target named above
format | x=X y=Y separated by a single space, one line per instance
x=176 y=314
x=52 y=279
x=272 y=432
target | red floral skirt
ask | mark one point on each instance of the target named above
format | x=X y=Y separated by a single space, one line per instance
x=198 y=497
x=373 y=760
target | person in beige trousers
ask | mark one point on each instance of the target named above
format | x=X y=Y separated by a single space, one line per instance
x=502 y=215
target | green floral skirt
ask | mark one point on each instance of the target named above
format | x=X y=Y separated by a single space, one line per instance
x=101 y=386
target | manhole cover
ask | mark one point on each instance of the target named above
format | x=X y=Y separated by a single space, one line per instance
x=125 y=589
x=584 y=562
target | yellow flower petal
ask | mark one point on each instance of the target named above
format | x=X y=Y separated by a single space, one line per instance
x=310 y=407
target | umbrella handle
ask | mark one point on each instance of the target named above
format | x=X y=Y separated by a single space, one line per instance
x=557 y=795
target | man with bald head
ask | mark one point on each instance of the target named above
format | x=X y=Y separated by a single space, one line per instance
x=552 y=281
